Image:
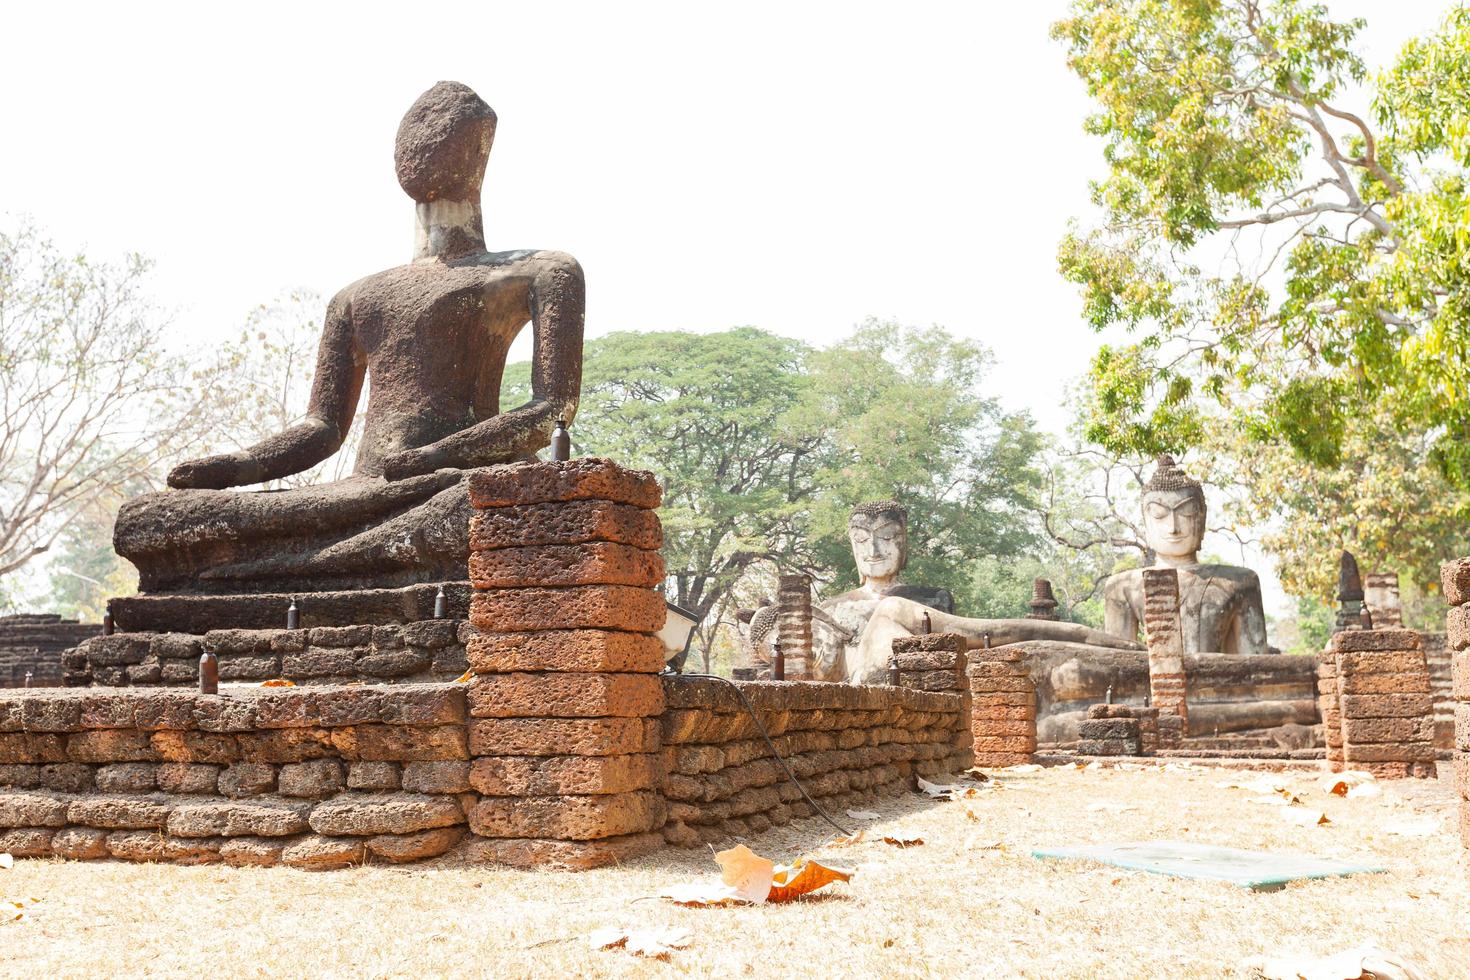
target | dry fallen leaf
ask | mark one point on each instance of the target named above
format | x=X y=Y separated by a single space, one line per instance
x=1303 y=816
x=278 y=682
x=976 y=773
x=936 y=790
x=903 y=841
x=1364 y=961
x=856 y=838
x=863 y=814
x=971 y=815
x=465 y=678
x=804 y=877
x=747 y=877
x=701 y=893
x=654 y=943
x=747 y=872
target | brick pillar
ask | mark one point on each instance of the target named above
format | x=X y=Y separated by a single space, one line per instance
x=1387 y=710
x=1165 y=653
x=1110 y=729
x=794 y=612
x=1002 y=707
x=937 y=662
x=1455 y=578
x=1381 y=596
x=1330 y=707
x=565 y=702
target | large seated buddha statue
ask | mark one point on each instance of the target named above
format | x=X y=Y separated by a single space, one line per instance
x=882 y=608
x=1220 y=607
x=430 y=340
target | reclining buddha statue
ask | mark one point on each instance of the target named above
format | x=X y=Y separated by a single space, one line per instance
x=430 y=338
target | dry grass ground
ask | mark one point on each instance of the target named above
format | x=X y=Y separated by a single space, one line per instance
x=947 y=908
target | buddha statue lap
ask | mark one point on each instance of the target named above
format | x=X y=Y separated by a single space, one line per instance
x=1220 y=609
x=432 y=337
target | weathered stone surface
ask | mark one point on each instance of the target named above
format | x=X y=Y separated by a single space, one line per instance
x=1352 y=641
x=563 y=736
x=319 y=853
x=588 y=478
x=127 y=777
x=187 y=777
x=319 y=662
x=567 y=817
x=315 y=779
x=569 y=522
x=136 y=845
x=257 y=668
x=1386 y=705
x=202 y=747
x=1454 y=577
x=1393 y=730
x=443 y=776
x=594 y=563
x=247 y=779
x=400 y=813
x=424 y=704
x=20 y=775
x=27 y=842
x=558 y=854
x=260 y=817
x=1411 y=683
x=67 y=777
x=1382 y=662
x=415 y=847
x=564 y=775
x=79 y=843
x=25 y=747
x=618 y=607
x=373 y=775
x=564 y=695
x=118 y=813
x=259 y=852
x=953 y=643
x=589 y=650
x=31 y=810
x=394 y=663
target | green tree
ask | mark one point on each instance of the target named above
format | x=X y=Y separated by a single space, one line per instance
x=1270 y=251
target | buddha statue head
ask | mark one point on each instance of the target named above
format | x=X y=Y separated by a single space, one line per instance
x=1173 y=514
x=878 y=532
x=443 y=144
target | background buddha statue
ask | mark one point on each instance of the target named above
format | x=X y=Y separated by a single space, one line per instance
x=883 y=608
x=430 y=338
x=1219 y=605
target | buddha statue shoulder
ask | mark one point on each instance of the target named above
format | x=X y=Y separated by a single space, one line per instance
x=1220 y=606
x=429 y=341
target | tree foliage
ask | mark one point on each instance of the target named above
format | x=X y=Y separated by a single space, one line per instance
x=1268 y=250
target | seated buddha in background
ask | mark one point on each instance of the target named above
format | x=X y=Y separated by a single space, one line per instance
x=430 y=339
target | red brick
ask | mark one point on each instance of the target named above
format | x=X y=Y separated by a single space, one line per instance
x=24 y=747
x=985 y=727
x=618 y=607
x=567 y=817
x=1377 y=752
x=999 y=760
x=1417 y=683
x=1457 y=627
x=1350 y=641
x=1382 y=662
x=594 y=563
x=1454 y=576
x=590 y=651
x=561 y=775
x=1007 y=743
x=563 y=736
x=569 y=522
x=1386 y=705
x=559 y=854
x=1395 y=730
x=1460 y=674
x=1001 y=712
x=982 y=686
x=399 y=848
x=538 y=482
x=563 y=695
x=367 y=814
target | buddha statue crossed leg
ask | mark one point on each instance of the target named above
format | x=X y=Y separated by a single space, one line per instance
x=432 y=337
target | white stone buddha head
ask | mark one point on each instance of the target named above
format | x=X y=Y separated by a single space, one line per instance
x=878 y=533
x=1173 y=514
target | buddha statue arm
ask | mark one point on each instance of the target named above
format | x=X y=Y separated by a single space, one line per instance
x=557 y=301
x=1248 y=632
x=339 y=375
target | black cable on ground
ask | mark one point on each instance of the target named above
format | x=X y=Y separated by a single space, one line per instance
x=771 y=745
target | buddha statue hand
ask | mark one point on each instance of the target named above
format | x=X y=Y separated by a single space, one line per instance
x=211 y=472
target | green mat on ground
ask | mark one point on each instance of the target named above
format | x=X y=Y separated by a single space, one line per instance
x=1257 y=870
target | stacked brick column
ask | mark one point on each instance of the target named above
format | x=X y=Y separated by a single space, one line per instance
x=1330 y=707
x=1386 y=710
x=1455 y=577
x=565 y=704
x=937 y=662
x=1002 y=707
x=1166 y=679
x=794 y=613
x=1110 y=729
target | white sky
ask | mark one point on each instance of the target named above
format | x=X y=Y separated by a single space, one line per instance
x=792 y=166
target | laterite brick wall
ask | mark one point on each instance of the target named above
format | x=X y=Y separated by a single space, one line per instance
x=32 y=643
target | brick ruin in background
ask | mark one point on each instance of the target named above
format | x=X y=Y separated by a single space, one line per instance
x=1167 y=682
x=1384 y=710
x=1110 y=729
x=1455 y=580
x=794 y=613
x=32 y=643
x=939 y=662
x=1002 y=707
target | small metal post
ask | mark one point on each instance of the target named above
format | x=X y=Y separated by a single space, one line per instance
x=441 y=604
x=895 y=678
x=1109 y=698
x=208 y=673
x=1148 y=699
x=561 y=442
x=928 y=625
x=107 y=626
x=293 y=616
x=778 y=664
x=29 y=675
x=985 y=638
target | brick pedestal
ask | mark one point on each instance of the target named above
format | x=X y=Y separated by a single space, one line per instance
x=1455 y=577
x=1110 y=729
x=1330 y=707
x=937 y=662
x=1166 y=679
x=1002 y=707
x=565 y=704
x=1385 y=709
